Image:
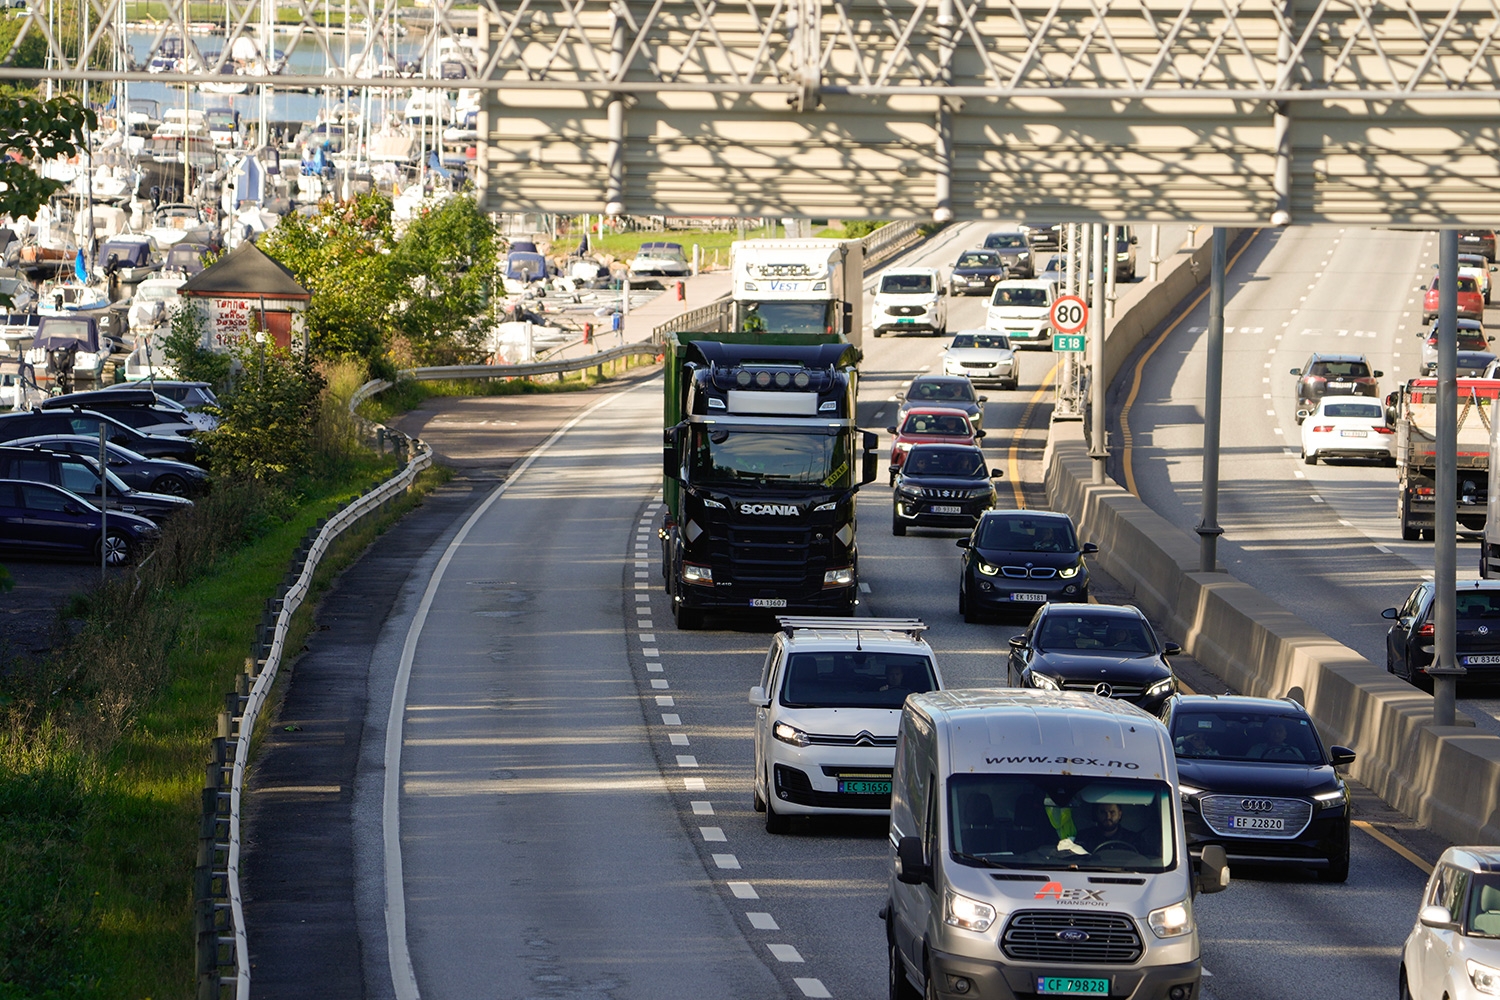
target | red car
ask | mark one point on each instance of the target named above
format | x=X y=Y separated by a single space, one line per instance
x=930 y=425
x=1470 y=300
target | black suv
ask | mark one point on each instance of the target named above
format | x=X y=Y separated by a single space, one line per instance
x=79 y=475
x=942 y=486
x=1333 y=375
x=1019 y=559
x=1109 y=650
x=1015 y=251
x=1409 y=642
x=1480 y=241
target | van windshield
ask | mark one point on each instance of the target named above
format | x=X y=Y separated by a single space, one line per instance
x=855 y=679
x=1061 y=822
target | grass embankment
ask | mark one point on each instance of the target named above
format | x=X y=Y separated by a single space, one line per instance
x=102 y=760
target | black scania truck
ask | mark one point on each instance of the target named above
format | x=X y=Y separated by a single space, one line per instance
x=761 y=461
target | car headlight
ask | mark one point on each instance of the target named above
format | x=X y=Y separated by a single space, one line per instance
x=1330 y=800
x=1044 y=682
x=1122 y=256
x=1188 y=793
x=1172 y=921
x=968 y=914
x=1068 y=572
x=1485 y=979
x=986 y=568
x=983 y=491
x=790 y=734
x=1161 y=687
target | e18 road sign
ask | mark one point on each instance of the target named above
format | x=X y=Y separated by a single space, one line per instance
x=1068 y=342
x=1069 y=314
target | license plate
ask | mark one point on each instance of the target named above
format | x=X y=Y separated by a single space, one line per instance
x=1354 y=434
x=1257 y=823
x=1482 y=661
x=1339 y=387
x=865 y=787
x=1072 y=986
x=1019 y=333
x=906 y=319
x=1033 y=598
x=945 y=509
x=768 y=602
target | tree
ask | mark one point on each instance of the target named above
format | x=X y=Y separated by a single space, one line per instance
x=36 y=130
x=183 y=349
x=267 y=420
x=448 y=261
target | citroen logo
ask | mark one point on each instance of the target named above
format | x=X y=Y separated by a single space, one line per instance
x=1103 y=690
x=864 y=739
x=1257 y=805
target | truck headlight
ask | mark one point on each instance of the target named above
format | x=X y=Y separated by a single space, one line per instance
x=842 y=577
x=986 y=568
x=1068 y=572
x=1172 y=921
x=968 y=914
x=1485 y=979
x=1044 y=682
x=790 y=734
x=702 y=576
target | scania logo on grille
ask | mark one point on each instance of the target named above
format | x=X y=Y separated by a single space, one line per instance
x=1257 y=805
x=1103 y=690
x=773 y=509
x=1073 y=935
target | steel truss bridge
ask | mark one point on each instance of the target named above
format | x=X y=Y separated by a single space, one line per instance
x=1229 y=111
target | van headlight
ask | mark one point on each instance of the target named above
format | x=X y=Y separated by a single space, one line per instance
x=968 y=914
x=1172 y=921
x=791 y=734
x=1485 y=979
x=1068 y=572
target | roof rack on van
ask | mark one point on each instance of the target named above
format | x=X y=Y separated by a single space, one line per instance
x=913 y=625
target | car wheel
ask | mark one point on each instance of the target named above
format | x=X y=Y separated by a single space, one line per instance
x=1338 y=861
x=1310 y=457
x=966 y=609
x=1428 y=534
x=115 y=548
x=775 y=821
x=1403 y=991
x=687 y=619
x=897 y=528
x=172 y=484
x=757 y=801
x=900 y=986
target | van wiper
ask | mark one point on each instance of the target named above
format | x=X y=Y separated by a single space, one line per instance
x=980 y=861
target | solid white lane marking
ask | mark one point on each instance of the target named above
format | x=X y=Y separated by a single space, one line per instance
x=713 y=834
x=686 y=760
x=727 y=861
x=743 y=890
x=763 y=922
x=812 y=988
x=694 y=784
x=785 y=953
x=671 y=719
x=702 y=808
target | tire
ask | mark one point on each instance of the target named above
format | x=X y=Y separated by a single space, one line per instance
x=687 y=619
x=115 y=548
x=1408 y=533
x=776 y=823
x=1429 y=534
x=964 y=608
x=1403 y=991
x=897 y=528
x=171 y=484
x=1338 y=862
x=900 y=986
x=1310 y=457
x=757 y=802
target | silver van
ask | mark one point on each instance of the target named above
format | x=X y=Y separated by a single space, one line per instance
x=1037 y=849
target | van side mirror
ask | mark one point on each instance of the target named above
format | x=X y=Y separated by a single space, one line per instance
x=911 y=867
x=758 y=697
x=1213 y=870
x=1339 y=756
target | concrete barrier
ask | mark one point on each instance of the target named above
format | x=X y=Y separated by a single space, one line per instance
x=1447 y=778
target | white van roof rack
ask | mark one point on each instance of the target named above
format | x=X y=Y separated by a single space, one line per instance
x=912 y=625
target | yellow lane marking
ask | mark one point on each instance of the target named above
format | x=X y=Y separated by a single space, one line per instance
x=1388 y=842
x=1135 y=382
x=1014 y=468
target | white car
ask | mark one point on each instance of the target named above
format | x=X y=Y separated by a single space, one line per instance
x=984 y=357
x=1348 y=427
x=1453 y=952
x=910 y=300
x=827 y=710
x=1019 y=310
x=660 y=260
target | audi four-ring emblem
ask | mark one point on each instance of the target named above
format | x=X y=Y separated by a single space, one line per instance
x=1257 y=805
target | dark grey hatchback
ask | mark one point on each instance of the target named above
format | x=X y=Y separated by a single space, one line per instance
x=1018 y=559
x=1409 y=642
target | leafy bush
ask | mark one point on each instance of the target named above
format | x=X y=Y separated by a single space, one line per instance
x=268 y=416
x=183 y=349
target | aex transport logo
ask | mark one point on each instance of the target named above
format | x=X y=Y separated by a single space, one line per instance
x=1081 y=897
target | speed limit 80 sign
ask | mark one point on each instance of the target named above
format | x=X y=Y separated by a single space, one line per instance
x=1069 y=314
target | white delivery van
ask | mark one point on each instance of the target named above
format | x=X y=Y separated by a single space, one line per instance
x=1020 y=309
x=1037 y=849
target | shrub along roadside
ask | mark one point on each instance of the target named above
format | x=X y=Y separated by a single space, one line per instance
x=99 y=777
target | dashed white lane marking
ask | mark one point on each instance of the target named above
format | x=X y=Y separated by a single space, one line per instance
x=1347 y=524
x=743 y=890
x=1383 y=548
x=694 y=784
x=671 y=719
x=714 y=834
x=654 y=668
x=659 y=684
x=1270 y=413
x=1276 y=430
x=643 y=598
x=1316 y=498
x=641 y=586
x=642 y=622
x=686 y=760
x=678 y=740
x=812 y=987
x=646 y=637
x=1266 y=396
x=864 y=588
x=785 y=952
x=665 y=701
x=763 y=921
x=651 y=651
x=702 y=808
x=1299 y=474
x=727 y=861
x=880 y=413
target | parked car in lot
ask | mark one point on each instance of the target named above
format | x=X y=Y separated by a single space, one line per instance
x=1409 y=641
x=139 y=408
x=1471 y=337
x=942 y=390
x=1015 y=250
x=984 y=357
x=976 y=271
x=929 y=425
x=1109 y=650
x=1333 y=375
x=87 y=422
x=1019 y=559
x=1470 y=299
x=910 y=300
x=827 y=708
x=1344 y=427
x=1257 y=780
x=942 y=486
x=1453 y=950
x=153 y=475
x=1019 y=310
x=39 y=519
x=79 y=474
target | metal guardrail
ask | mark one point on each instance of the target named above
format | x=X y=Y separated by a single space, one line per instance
x=889 y=240
x=455 y=372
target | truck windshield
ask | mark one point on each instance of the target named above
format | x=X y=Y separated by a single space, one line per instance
x=786 y=317
x=763 y=455
x=1047 y=822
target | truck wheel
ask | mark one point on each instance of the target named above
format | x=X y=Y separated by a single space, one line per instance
x=897 y=528
x=1408 y=533
x=687 y=619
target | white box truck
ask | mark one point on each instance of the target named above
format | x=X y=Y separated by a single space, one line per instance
x=798 y=286
x=1038 y=849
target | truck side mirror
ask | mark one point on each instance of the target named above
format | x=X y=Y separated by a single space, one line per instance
x=871 y=465
x=848 y=312
x=1213 y=870
x=671 y=457
x=911 y=867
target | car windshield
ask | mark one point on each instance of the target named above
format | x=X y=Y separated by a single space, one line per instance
x=1465 y=284
x=984 y=341
x=955 y=463
x=1029 y=297
x=956 y=390
x=1229 y=734
x=1339 y=369
x=1059 y=822
x=1361 y=410
x=1024 y=532
x=1105 y=634
x=935 y=423
x=720 y=456
x=854 y=679
x=1006 y=241
x=1484 y=905
x=906 y=284
x=978 y=258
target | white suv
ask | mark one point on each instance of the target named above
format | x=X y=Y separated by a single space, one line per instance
x=910 y=299
x=827 y=709
x=1454 y=949
x=1019 y=310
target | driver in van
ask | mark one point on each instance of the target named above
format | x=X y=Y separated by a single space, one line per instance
x=1108 y=829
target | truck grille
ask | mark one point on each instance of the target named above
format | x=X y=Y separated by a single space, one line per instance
x=773 y=555
x=1036 y=936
